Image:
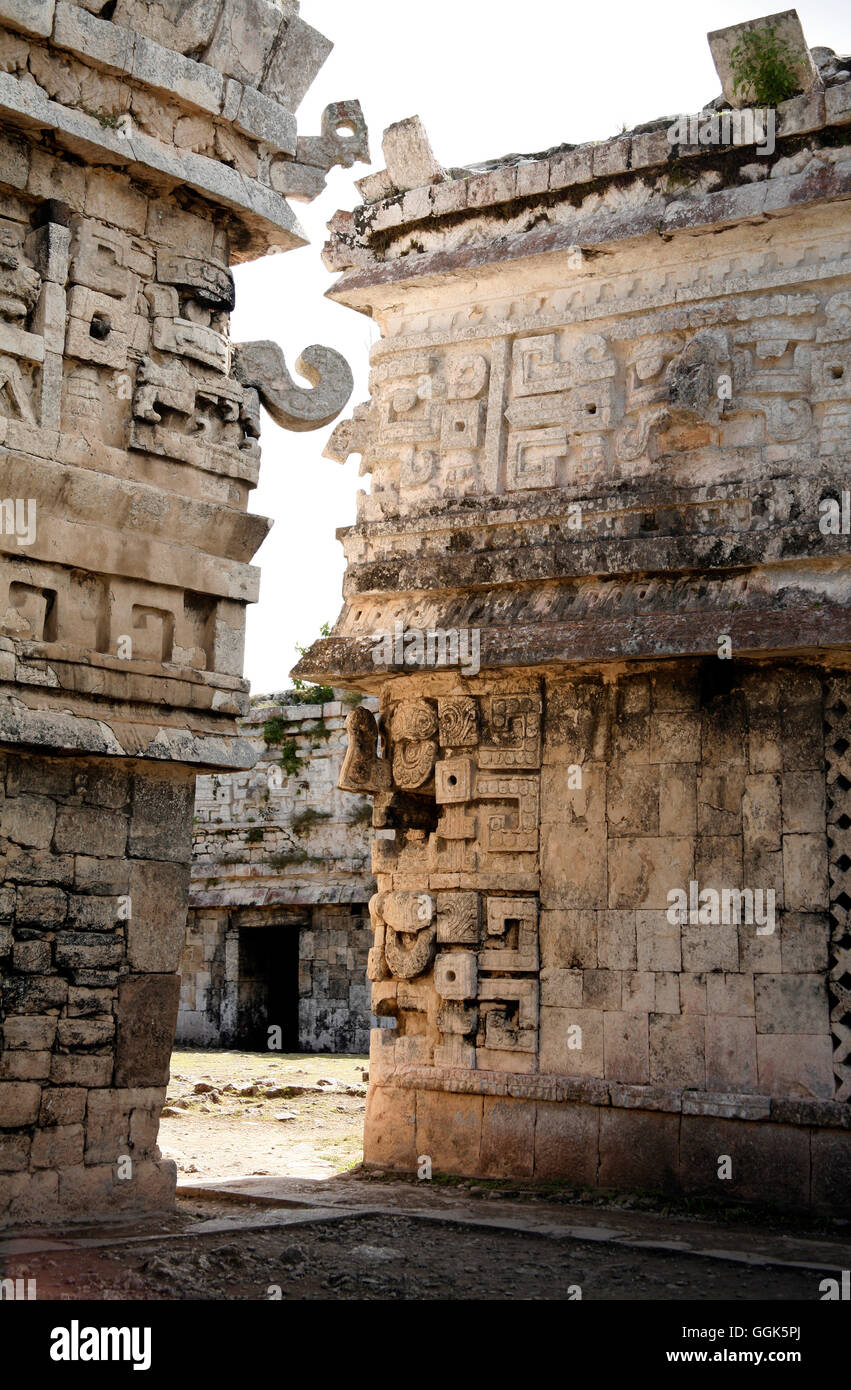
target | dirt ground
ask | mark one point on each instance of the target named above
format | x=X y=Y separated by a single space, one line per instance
x=293 y=1215
x=395 y=1257
x=246 y=1114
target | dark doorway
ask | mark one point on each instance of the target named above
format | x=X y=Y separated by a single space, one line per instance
x=268 y=987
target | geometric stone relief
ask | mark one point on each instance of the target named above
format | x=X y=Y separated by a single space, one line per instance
x=476 y=950
x=837 y=743
x=584 y=407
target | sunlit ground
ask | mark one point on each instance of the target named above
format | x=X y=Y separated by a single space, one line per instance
x=243 y=1114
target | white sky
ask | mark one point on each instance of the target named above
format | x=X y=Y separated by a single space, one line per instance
x=488 y=78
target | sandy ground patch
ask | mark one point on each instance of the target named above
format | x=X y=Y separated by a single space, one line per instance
x=241 y=1114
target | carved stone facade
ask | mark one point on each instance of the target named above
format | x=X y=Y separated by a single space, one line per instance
x=611 y=399
x=144 y=150
x=278 y=929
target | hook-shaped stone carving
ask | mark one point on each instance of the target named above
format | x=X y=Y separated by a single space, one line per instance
x=293 y=407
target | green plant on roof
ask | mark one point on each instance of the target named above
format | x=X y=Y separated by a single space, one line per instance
x=314 y=694
x=763 y=67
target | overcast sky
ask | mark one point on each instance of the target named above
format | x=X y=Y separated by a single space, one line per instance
x=488 y=78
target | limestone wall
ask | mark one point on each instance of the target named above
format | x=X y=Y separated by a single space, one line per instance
x=277 y=850
x=144 y=150
x=600 y=586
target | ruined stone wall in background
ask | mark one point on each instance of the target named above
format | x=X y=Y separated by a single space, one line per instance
x=610 y=413
x=280 y=849
x=144 y=150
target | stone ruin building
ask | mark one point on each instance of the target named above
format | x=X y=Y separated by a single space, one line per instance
x=600 y=588
x=144 y=150
x=278 y=931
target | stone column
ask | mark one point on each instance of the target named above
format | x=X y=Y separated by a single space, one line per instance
x=601 y=587
x=144 y=150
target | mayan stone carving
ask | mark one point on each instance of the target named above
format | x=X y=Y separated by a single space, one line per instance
x=144 y=151
x=599 y=585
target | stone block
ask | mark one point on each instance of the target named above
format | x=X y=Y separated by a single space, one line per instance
x=40 y=907
x=643 y=870
x=677 y=1050
x=804 y=942
x=33 y=1197
x=602 y=989
x=677 y=799
x=508 y=1138
x=787 y=26
x=28 y=16
x=770 y=1164
x=710 y=947
x=571 y=166
x=638 y=991
x=81 y=829
x=80 y=1069
x=731 y=1063
x=830 y=1154
x=34 y=994
x=667 y=992
x=761 y=812
x=110 y=877
x=649 y=148
x=616 y=948
x=567 y=1143
x=730 y=995
x=14 y=1152
x=609 y=158
x=62 y=1105
x=791 y=1064
x=32 y=1031
x=639 y=1150
x=31 y=956
x=147 y=1014
x=791 y=1004
x=59 y=1146
x=157 y=922
x=408 y=155
x=568 y=938
x=632 y=801
x=571 y=1042
x=88 y=912
x=86 y=1032
x=161 y=817
x=657 y=941
x=626 y=1047
x=88 y=951
x=837 y=104
x=19 y=1103
x=561 y=988
x=449 y=1131
x=108 y=45
x=533 y=176
x=25 y=1066
x=28 y=820
x=803 y=803
x=692 y=993
x=675 y=737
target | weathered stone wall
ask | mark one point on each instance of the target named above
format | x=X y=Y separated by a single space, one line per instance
x=89 y=992
x=319 y=998
x=280 y=849
x=611 y=409
x=132 y=177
